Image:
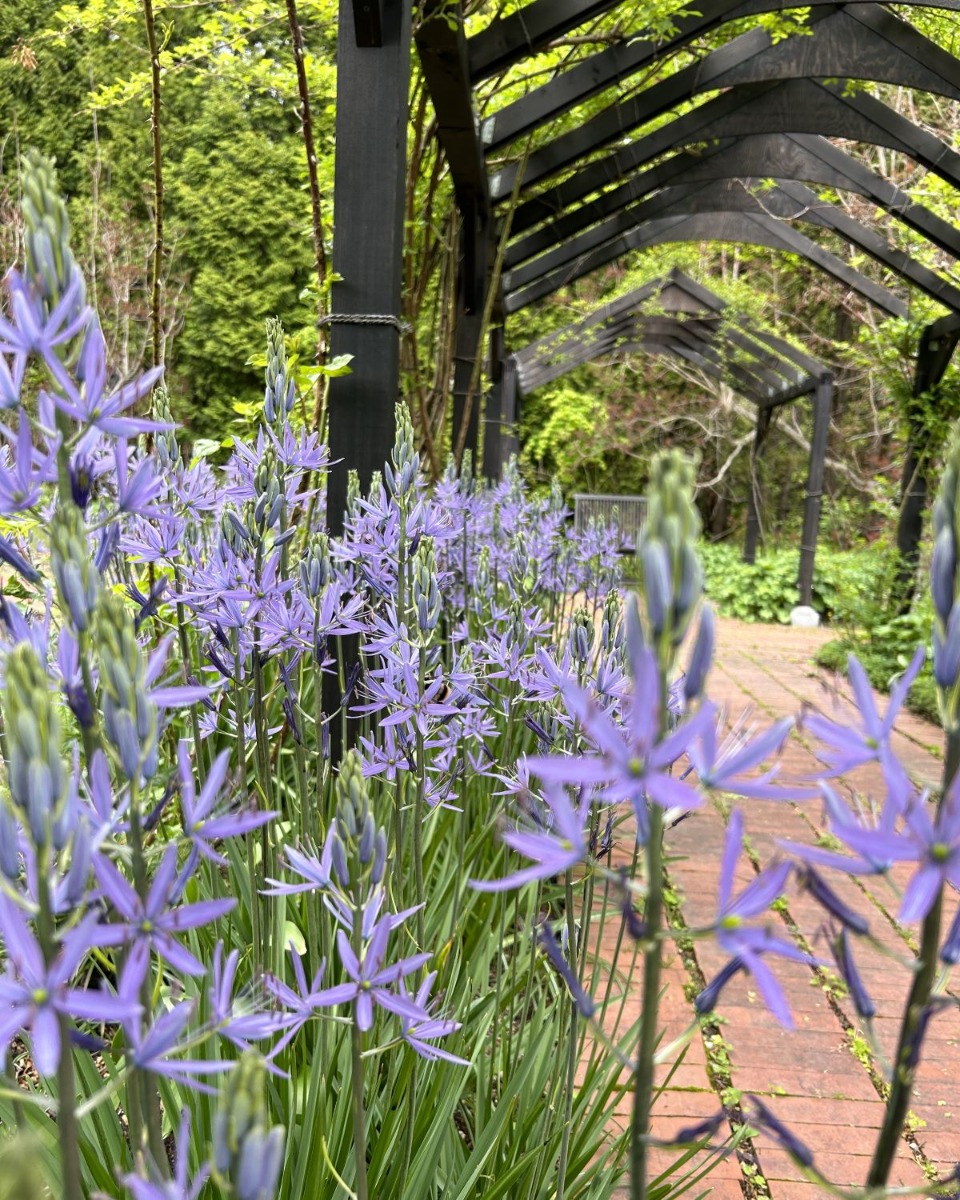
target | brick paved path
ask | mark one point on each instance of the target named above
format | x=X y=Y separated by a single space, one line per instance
x=818 y=1078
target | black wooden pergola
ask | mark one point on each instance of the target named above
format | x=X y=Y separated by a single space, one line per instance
x=751 y=112
x=692 y=325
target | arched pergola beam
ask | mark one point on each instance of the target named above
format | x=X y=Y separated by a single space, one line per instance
x=837 y=46
x=510 y=39
x=687 y=313
x=748 y=228
x=803 y=157
x=793 y=106
x=612 y=67
x=785 y=201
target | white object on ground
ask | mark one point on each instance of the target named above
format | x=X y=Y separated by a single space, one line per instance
x=805 y=616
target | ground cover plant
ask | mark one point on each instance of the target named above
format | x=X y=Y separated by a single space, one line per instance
x=258 y=944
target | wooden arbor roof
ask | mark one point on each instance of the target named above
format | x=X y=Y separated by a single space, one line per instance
x=632 y=175
x=777 y=105
x=691 y=324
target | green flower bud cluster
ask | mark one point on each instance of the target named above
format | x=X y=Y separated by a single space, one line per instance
x=279 y=394
x=401 y=470
x=165 y=440
x=129 y=715
x=51 y=268
x=36 y=774
x=353 y=491
x=524 y=569
x=670 y=568
x=358 y=848
x=233 y=533
x=426 y=590
x=268 y=492
x=468 y=485
x=611 y=628
x=581 y=636
x=316 y=569
x=481 y=578
x=247 y=1153
x=77 y=579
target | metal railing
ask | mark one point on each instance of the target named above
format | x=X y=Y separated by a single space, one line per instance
x=625 y=513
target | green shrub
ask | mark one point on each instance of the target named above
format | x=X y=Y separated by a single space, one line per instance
x=885 y=648
x=846 y=583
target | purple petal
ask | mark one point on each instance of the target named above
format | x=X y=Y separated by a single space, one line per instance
x=921 y=892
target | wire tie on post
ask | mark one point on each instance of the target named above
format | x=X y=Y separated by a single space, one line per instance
x=365 y=319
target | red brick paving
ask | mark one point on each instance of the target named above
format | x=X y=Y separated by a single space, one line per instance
x=810 y=1077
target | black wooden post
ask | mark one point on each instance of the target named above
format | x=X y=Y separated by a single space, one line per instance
x=822 y=406
x=753 y=508
x=369 y=181
x=937 y=344
x=510 y=401
x=493 y=411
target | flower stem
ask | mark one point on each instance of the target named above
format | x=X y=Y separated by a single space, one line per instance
x=572 y=1048
x=359 y=1116
x=901 y=1088
x=643 y=1083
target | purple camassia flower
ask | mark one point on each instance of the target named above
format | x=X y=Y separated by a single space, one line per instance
x=153 y=922
x=554 y=849
x=748 y=944
x=158 y=540
x=33 y=995
x=87 y=405
x=23 y=470
x=840 y=818
x=180 y=1187
x=934 y=845
x=201 y=822
x=370 y=981
x=153 y=1050
x=137 y=492
x=301 y=1005
x=240 y=1021
x=419 y=1034
x=633 y=762
x=723 y=768
x=847 y=746
x=33 y=332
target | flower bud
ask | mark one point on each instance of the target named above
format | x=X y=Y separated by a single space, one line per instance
x=656 y=585
x=50 y=267
x=36 y=775
x=279 y=393
x=426 y=590
x=247 y=1155
x=165 y=440
x=401 y=471
x=701 y=658
x=943 y=570
x=129 y=715
x=78 y=582
x=581 y=636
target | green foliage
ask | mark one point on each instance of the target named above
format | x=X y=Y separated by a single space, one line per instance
x=843 y=582
x=885 y=648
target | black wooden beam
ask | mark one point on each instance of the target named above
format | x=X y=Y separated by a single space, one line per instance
x=837 y=46
x=442 y=49
x=785 y=201
x=801 y=157
x=822 y=407
x=369 y=185
x=752 y=533
x=508 y=40
x=749 y=228
x=368 y=23
x=615 y=65
x=794 y=106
